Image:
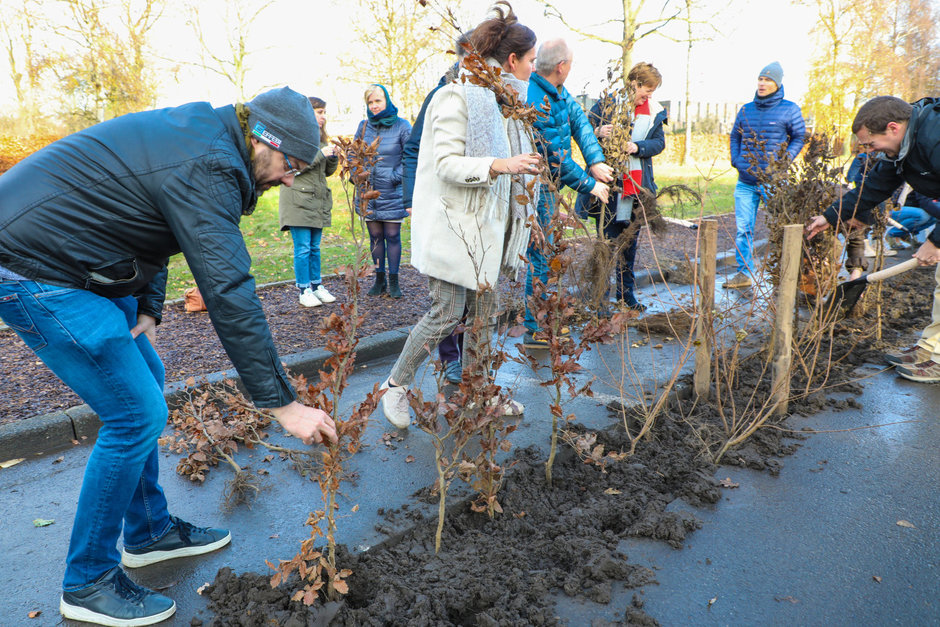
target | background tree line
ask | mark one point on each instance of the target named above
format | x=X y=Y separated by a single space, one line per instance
x=73 y=63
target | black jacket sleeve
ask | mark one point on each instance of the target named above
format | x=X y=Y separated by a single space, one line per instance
x=204 y=221
x=881 y=181
x=150 y=298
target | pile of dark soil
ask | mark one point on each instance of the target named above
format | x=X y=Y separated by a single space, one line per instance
x=188 y=345
x=563 y=539
x=505 y=571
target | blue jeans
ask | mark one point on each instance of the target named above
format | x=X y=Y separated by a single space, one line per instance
x=83 y=338
x=538 y=264
x=914 y=219
x=306 y=255
x=746 y=200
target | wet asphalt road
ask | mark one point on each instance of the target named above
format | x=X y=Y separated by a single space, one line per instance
x=817 y=545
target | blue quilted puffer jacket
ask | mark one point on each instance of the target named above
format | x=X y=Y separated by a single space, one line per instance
x=761 y=127
x=565 y=121
x=387 y=172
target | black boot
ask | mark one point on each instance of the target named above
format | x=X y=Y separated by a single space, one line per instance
x=379 y=286
x=393 y=289
x=631 y=302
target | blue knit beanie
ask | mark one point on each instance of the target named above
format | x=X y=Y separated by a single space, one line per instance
x=774 y=72
x=284 y=120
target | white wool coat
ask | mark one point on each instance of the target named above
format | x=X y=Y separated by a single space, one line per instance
x=459 y=214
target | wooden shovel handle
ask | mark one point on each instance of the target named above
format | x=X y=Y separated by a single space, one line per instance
x=887 y=273
x=897 y=225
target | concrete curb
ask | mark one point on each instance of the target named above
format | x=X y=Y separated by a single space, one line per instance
x=58 y=430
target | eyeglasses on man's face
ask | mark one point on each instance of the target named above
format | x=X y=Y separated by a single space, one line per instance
x=291 y=170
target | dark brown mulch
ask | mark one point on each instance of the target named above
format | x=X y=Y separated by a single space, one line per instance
x=188 y=345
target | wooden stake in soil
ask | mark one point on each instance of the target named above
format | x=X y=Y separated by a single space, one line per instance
x=708 y=250
x=783 y=323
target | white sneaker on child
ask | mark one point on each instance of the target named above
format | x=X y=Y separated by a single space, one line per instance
x=323 y=295
x=309 y=299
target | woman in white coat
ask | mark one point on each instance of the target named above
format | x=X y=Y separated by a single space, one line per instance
x=467 y=220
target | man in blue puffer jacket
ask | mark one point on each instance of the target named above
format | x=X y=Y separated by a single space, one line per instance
x=564 y=120
x=87 y=225
x=762 y=129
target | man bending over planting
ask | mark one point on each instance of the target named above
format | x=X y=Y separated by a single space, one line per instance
x=87 y=225
x=909 y=137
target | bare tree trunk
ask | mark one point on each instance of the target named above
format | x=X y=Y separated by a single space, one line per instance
x=687 y=153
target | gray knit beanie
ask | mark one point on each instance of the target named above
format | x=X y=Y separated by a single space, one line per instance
x=285 y=121
x=774 y=72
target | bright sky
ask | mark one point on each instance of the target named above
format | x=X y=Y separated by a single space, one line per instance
x=306 y=40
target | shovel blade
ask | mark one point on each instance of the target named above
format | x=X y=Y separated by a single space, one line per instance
x=847 y=294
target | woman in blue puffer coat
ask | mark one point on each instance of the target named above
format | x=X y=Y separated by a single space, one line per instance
x=385 y=213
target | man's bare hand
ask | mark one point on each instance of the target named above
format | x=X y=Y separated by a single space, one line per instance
x=603 y=131
x=601 y=192
x=927 y=254
x=307 y=423
x=817 y=224
x=602 y=172
x=146 y=325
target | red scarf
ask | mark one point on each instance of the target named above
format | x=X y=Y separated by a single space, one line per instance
x=633 y=180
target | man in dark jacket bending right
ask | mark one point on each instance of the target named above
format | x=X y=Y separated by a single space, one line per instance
x=909 y=137
x=87 y=225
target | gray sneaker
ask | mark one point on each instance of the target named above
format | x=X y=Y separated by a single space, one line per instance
x=924 y=372
x=911 y=355
x=453 y=372
x=117 y=601
x=738 y=281
x=395 y=405
x=898 y=242
x=182 y=540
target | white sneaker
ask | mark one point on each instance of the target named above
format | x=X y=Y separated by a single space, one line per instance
x=323 y=295
x=395 y=405
x=512 y=408
x=871 y=252
x=508 y=408
x=308 y=298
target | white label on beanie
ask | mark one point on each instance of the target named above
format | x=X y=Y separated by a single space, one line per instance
x=261 y=131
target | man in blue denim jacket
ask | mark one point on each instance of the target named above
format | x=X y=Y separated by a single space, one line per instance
x=87 y=225
x=765 y=129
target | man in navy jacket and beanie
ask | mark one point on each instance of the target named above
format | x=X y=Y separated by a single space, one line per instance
x=763 y=130
x=908 y=135
x=87 y=226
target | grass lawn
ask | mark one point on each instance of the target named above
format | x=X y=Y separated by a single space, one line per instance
x=272 y=251
x=714 y=185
